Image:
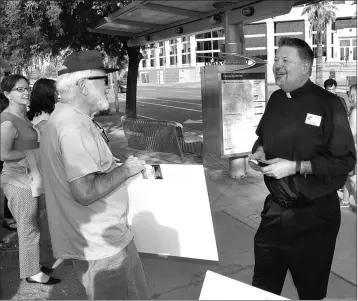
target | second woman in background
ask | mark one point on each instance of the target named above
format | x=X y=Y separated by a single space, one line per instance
x=43 y=98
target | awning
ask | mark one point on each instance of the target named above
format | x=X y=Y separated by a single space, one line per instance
x=148 y=21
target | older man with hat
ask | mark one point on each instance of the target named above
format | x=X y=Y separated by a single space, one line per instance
x=86 y=194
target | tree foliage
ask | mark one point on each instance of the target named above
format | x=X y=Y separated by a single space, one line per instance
x=320 y=15
x=34 y=29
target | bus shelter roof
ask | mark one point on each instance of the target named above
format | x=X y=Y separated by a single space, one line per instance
x=148 y=21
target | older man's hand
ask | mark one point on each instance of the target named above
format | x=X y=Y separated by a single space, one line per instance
x=279 y=168
x=133 y=166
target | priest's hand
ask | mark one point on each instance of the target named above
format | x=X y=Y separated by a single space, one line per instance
x=279 y=168
x=258 y=155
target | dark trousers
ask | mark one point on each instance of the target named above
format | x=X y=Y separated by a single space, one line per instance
x=301 y=240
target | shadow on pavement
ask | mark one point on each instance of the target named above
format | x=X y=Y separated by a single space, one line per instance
x=111 y=122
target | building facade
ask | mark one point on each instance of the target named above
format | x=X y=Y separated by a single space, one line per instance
x=180 y=59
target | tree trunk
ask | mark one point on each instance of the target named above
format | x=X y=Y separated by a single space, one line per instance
x=134 y=56
x=319 y=62
x=115 y=90
x=115 y=86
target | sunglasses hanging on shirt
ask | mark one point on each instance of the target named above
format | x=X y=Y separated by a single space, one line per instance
x=101 y=130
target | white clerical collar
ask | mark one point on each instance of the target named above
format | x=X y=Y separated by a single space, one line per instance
x=288 y=95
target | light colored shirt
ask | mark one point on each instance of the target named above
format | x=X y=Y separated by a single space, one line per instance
x=71 y=147
x=26 y=138
x=39 y=123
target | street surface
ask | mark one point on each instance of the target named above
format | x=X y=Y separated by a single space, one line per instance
x=177 y=102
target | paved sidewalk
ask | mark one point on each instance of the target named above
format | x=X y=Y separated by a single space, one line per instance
x=236 y=206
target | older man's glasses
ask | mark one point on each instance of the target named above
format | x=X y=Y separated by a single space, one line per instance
x=22 y=89
x=105 y=78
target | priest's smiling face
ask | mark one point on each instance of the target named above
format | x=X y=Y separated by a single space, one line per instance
x=290 y=71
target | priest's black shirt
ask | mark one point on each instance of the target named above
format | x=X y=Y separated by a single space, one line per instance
x=311 y=126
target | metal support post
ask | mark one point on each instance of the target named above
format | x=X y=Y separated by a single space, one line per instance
x=235 y=44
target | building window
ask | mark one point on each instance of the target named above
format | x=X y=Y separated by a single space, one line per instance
x=348 y=49
x=151 y=55
x=205 y=35
x=290 y=26
x=204 y=45
x=291 y=29
x=298 y=36
x=185 y=50
x=254 y=29
x=259 y=53
x=255 y=42
x=345 y=43
x=208 y=46
x=345 y=23
x=354 y=43
x=207 y=57
x=173 y=52
x=161 y=54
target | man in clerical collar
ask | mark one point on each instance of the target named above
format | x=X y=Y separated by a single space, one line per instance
x=305 y=142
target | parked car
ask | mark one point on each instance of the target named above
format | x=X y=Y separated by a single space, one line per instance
x=122 y=85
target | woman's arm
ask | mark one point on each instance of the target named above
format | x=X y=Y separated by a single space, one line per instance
x=8 y=134
x=353 y=122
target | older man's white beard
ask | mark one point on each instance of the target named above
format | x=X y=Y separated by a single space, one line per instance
x=99 y=102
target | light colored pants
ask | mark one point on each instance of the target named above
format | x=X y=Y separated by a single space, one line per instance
x=25 y=210
x=112 y=278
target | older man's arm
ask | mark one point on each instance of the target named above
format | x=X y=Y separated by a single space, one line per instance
x=89 y=188
x=87 y=168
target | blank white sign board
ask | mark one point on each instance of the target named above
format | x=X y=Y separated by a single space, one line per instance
x=171 y=216
x=218 y=287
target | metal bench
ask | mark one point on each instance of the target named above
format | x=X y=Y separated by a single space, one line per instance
x=161 y=136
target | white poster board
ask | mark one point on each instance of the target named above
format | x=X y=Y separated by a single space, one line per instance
x=243 y=103
x=172 y=216
x=218 y=287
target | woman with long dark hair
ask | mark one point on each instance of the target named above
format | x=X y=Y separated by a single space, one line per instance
x=43 y=98
x=17 y=137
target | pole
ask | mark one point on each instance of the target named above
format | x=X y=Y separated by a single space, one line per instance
x=235 y=44
x=115 y=88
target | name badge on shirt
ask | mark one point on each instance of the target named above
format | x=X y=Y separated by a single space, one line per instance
x=313 y=119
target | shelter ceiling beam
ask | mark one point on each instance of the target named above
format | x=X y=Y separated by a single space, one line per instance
x=190 y=25
x=111 y=32
x=196 y=22
x=183 y=22
x=130 y=23
x=172 y=10
x=263 y=10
